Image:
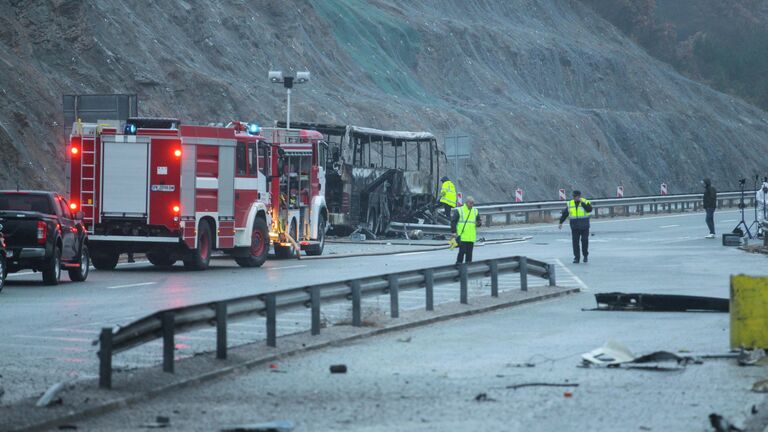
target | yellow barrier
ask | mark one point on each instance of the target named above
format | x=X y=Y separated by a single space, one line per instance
x=749 y=312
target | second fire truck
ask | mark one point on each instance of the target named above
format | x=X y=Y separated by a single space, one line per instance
x=180 y=192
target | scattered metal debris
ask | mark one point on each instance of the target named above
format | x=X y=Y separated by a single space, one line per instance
x=659 y=302
x=273 y=426
x=340 y=368
x=483 y=397
x=521 y=365
x=615 y=355
x=751 y=357
x=160 y=422
x=541 y=384
x=49 y=396
x=405 y=340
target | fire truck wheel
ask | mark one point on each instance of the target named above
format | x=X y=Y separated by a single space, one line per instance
x=201 y=257
x=52 y=269
x=259 y=246
x=160 y=259
x=317 y=249
x=105 y=261
x=80 y=274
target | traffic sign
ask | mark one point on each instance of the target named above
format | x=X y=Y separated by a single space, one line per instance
x=518 y=195
x=561 y=195
x=620 y=192
x=664 y=190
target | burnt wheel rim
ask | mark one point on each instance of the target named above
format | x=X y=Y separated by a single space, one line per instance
x=257 y=243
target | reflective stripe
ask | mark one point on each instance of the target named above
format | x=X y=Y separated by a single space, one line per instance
x=578 y=212
x=465 y=228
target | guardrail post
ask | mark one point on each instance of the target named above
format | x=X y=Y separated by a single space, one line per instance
x=315 y=300
x=168 y=319
x=527 y=217
x=551 y=274
x=394 y=296
x=669 y=208
x=612 y=212
x=494 y=278
x=271 y=303
x=357 y=320
x=221 y=330
x=463 y=283
x=597 y=213
x=105 y=358
x=429 y=284
x=509 y=218
x=488 y=220
x=524 y=273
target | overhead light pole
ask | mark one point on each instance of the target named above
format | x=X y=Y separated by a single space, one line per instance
x=276 y=77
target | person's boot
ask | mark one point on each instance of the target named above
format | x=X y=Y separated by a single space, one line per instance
x=586 y=259
x=575 y=260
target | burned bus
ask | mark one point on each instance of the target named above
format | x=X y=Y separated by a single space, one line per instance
x=374 y=177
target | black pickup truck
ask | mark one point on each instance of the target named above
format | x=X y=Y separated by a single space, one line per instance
x=41 y=233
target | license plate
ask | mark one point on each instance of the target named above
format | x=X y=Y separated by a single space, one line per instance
x=163 y=188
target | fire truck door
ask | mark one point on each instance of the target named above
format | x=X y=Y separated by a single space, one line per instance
x=125 y=162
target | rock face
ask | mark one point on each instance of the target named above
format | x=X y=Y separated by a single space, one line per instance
x=551 y=95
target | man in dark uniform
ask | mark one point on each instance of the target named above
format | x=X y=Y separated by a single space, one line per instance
x=578 y=210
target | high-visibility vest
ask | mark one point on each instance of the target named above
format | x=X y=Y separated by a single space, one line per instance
x=578 y=212
x=448 y=193
x=466 y=229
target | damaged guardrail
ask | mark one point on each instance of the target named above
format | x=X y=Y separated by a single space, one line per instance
x=167 y=323
x=608 y=207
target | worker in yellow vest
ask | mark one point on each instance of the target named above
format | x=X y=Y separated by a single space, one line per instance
x=447 y=196
x=578 y=210
x=464 y=224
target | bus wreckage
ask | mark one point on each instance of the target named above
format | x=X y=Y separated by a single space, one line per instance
x=377 y=179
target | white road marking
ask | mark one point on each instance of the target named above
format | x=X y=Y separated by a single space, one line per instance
x=730 y=220
x=287 y=267
x=669 y=226
x=19 y=274
x=410 y=253
x=578 y=280
x=67 y=339
x=131 y=285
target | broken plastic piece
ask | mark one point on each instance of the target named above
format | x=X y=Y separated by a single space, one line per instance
x=273 y=426
x=339 y=368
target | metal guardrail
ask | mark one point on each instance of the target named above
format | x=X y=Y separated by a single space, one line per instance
x=167 y=323
x=609 y=207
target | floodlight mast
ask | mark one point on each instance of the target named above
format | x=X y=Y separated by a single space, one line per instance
x=277 y=77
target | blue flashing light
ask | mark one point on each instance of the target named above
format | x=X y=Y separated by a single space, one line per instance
x=253 y=129
x=130 y=129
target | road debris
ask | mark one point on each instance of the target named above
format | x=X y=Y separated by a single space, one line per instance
x=49 y=397
x=568 y=394
x=340 y=368
x=273 y=426
x=721 y=424
x=760 y=386
x=160 y=422
x=483 y=397
x=752 y=357
x=614 y=355
x=541 y=384
x=617 y=301
x=405 y=340
x=521 y=365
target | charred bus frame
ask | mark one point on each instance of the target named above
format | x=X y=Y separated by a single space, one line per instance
x=374 y=177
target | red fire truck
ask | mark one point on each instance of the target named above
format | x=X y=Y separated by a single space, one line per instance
x=179 y=192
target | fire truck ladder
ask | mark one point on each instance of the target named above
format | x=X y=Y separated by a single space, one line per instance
x=88 y=184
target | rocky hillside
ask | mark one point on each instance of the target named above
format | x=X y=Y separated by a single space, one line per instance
x=552 y=95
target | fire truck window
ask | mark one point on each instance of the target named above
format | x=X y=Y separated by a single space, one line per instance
x=240 y=155
x=266 y=167
x=253 y=159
